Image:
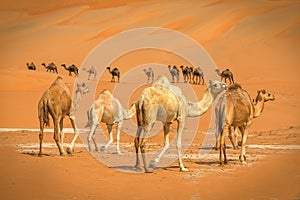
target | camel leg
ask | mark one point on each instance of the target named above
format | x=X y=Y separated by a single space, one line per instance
x=179 y=146
x=56 y=136
x=92 y=137
x=93 y=122
x=137 y=146
x=118 y=128
x=244 y=131
x=230 y=135
x=62 y=134
x=224 y=133
x=41 y=135
x=76 y=134
x=143 y=147
x=166 y=145
x=109 y=128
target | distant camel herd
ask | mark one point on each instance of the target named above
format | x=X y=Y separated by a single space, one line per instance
x=51 y=67
x=160 y=101
x=190 y=75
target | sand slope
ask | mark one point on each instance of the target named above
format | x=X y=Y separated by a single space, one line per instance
x=258 y=40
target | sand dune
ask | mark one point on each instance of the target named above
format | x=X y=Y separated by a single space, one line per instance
x=258 y=41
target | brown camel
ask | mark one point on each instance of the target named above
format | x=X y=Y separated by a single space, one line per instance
x=166 y=103
x=70 y=69
x=31 y=66
x=107 y=109
x=50 y=67
x=114 y=72
x=57 y=102
x=226 y=74
x=239 y=112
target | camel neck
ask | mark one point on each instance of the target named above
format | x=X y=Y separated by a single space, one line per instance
x=258 y=108
x=196 y=109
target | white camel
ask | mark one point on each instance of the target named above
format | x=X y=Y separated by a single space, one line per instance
x=166 y=103
x=107 y=109
x=150 y=74
x=174 y=73
x=91 y=71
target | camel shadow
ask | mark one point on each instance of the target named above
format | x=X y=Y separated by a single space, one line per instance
x=129 y=169
x=211 y=163
x=34 y=154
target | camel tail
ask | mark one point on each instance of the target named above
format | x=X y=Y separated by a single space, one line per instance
x=139 y=112
x=44 y=113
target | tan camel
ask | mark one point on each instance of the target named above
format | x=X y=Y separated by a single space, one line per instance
x=226 y=74
x=57 y=102
x=107 y=109
x=238 y=113
x=166 y=103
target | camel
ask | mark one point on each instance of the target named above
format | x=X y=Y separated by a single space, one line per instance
x=50 y=67
x=57 y=102
x=107 y=109
x=114 y=72
x=226 y=74
x=198 y=74
x=91 y=71
x=185 y=73
x=81 y=89
x=150 y=74
x=239 y=111
x=31 y=66
x=70 y=69
x=174 y=73
x=166 y=103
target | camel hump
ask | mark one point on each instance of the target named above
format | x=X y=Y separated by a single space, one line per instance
x=235 y=86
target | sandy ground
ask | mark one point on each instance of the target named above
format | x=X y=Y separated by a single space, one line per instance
x=257 y=40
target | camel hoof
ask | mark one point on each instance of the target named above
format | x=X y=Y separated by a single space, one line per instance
x=138 y=168
x=243 y=161
x=149 y=170
x=69 y=150
x=40 y=154
x=183 y=169
x=152 y=164
x=102 y=148
x=120 y=153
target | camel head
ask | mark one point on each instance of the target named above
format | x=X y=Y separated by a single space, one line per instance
x=216 y=87
x=264 y=95
x=44 y=64
x=82 y=88
x=108 y=68
x=181 y=66
x=169 y=66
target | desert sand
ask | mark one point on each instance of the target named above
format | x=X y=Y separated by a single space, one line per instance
x=257 y=40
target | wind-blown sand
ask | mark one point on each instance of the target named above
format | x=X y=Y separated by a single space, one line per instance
x=257 y=40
